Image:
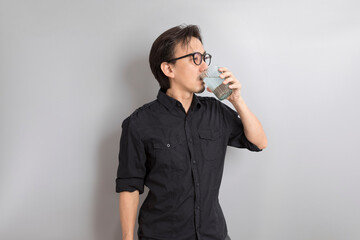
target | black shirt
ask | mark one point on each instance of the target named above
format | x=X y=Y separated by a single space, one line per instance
x=180 y=158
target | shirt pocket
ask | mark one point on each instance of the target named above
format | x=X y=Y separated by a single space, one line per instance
x=171 y=153
x=211 y=144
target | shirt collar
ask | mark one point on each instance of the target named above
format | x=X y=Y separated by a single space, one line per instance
x=170 y=102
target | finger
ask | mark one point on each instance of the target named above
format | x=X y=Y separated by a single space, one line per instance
x=229 y=80
x=209 y=90
x=226 y=74
x=235 y=86
x=223 y=69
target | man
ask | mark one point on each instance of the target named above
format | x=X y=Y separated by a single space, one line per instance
x=176 y=144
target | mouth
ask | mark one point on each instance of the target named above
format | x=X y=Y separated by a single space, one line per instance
x=202 y=76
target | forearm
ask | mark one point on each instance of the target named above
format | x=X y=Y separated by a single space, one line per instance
x=128 y=204
x=253 y=129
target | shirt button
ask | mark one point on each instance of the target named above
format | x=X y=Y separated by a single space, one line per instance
x=168 y=145
x=190 y=139
x=197 y=184
x=194 y=161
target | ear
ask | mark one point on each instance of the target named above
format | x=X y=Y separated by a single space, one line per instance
x=167 y=69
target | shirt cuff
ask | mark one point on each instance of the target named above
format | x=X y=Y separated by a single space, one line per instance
x=129 y=184
x=250 y=146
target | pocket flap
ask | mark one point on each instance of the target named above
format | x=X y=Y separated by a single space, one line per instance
x=159 y=145
x=209 y=134
x=169 y=144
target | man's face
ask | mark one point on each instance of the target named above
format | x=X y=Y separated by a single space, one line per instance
x=186 y=72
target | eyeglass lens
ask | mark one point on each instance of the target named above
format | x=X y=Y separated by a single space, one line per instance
x=198 y=57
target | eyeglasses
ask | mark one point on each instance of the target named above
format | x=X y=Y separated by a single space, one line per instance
x=197 y=58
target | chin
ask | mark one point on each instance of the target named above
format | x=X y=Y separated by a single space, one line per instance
x=201 y=90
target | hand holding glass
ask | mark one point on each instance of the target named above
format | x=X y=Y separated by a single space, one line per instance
x=213 y=81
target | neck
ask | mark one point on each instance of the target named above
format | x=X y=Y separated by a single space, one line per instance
x=184 y=97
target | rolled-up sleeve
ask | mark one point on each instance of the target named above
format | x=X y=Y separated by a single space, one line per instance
x=235 y=128
x=131 y=170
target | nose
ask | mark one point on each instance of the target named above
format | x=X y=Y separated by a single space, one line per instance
x=203 y=66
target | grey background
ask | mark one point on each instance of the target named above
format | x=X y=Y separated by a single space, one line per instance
x=71 y=71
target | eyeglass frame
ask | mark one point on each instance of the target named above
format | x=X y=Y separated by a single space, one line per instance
x=193 y=54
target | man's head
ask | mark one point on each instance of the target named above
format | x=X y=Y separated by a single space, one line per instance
x=183 y=73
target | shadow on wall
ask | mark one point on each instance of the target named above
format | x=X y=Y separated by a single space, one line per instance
x=142 y=87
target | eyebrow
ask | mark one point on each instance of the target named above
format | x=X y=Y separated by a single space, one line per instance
x=200 y=52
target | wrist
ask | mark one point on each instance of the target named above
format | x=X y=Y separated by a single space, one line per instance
x=238 y=102
x=128 y=236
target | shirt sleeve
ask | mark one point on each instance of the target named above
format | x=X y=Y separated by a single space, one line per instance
x=132 y=157
x=235 y=128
